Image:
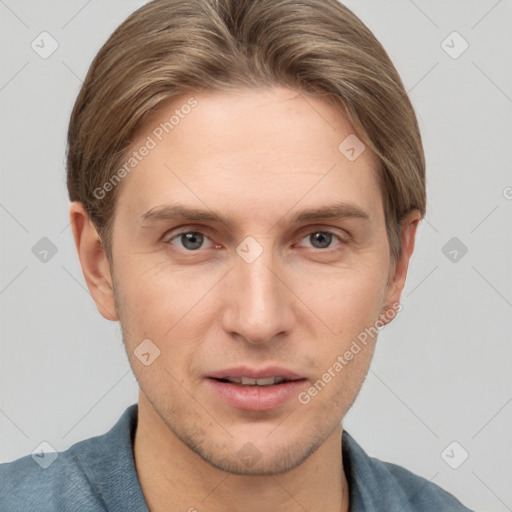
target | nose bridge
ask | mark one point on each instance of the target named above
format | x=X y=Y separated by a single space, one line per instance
x=258 y=303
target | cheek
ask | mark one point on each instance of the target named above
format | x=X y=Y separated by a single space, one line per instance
x=172 y=307
x=350 y=309
x=150 y=309
x=148 y=297
x=346 y=301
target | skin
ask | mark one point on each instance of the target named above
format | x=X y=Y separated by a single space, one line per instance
x=255 y=157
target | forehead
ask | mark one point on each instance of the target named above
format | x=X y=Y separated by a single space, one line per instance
x=258 y=151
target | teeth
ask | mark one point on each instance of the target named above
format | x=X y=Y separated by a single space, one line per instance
x=247 y=381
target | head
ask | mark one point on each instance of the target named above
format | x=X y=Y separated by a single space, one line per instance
x=246 y=180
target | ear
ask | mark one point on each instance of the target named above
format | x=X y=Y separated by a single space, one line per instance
x=93 y=259
x=398 y=272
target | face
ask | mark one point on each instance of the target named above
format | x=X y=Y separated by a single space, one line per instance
x=247 y=246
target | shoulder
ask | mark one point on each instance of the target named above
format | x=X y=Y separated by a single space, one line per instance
x=93 y=475
x=29 y=483
x=421 y=493
x=386 y=486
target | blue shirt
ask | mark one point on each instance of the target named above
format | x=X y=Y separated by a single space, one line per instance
x=99 y=474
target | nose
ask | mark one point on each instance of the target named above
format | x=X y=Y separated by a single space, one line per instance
x=258 y=302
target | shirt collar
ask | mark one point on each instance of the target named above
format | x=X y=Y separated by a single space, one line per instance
x=372 y=487
x=109 y=465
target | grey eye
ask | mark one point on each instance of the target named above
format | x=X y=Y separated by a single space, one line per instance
x=191 y=240
x=320 y=239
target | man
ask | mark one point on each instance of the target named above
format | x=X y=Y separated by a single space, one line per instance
x=246 y=179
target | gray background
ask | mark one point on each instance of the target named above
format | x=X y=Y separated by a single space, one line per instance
x=441 y=372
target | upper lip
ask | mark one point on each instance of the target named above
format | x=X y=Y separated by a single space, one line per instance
x=255 y=373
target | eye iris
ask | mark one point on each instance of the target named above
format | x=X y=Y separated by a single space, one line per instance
x=321 y=240
x=192 y=240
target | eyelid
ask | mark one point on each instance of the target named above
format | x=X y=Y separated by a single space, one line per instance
x=342 y=234
x=180 y=230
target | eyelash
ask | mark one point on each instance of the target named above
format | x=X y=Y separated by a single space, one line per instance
x=342 y=242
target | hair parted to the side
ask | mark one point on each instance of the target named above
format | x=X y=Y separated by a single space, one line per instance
x=169 y=48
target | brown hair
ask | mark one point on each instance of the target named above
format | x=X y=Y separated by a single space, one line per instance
x=170 y=47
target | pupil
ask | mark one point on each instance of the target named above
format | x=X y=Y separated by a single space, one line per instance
x=192 y=241
x=321 y=240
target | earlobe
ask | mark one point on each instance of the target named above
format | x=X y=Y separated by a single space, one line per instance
x=93 y=260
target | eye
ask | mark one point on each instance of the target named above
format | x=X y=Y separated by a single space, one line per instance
x=190 y=240
x=321 y=239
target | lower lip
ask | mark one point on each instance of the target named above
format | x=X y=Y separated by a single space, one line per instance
x=256 y=398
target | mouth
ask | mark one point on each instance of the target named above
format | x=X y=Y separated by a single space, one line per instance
x=255 y=390
x=248 y=381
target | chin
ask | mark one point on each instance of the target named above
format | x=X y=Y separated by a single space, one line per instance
x=251 y=461
x=263 y=456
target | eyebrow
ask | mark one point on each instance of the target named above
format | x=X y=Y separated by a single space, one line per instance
x=337 y=211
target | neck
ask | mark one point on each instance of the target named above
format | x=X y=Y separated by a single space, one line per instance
x=173 y=477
